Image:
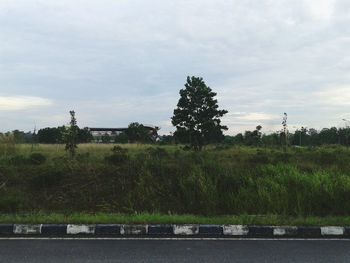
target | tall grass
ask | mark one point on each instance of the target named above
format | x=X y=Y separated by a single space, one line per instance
x=7 y=145
x=168 y=180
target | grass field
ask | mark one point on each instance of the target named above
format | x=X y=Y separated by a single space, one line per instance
x=159 y=180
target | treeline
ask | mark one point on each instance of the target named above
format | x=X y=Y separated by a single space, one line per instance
x=49 y=135
x=136 y=133
x=301 y=137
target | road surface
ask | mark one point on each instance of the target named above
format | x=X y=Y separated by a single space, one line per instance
x=174 y=251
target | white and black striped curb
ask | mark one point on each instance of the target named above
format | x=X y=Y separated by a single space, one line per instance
x=174 y=230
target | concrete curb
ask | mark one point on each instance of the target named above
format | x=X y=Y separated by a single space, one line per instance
x=189 y=230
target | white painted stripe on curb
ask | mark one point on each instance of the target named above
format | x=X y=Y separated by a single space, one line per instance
x=80 y=229
x=235 y=230
x=284 y=230
x=27 y=229
x=332 y=231
x=186 y=230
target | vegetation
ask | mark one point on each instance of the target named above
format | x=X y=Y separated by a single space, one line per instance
x=301 y=137
x=138 y=133
x=197 y=117
x=145 y=218
x=56 y=135
x=132 y=179
x=71 y=135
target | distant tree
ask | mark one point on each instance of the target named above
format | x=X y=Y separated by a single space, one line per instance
x=239 y=139
x=272 y=139
x=197 y=117
x=137 y=132
x=121 y=138
x=19 y=136
x=84 y=135
x=285 y=130
x=313 y=137
x=257 y=135
x=106 y=138
x=343 y=136
x=328 y=136
x=50 y=135
x=57 y=135
x=167 y=139
x=253 y=138
x=229 y=140
x=71 y=135
x=248 y=138
x=299 y=137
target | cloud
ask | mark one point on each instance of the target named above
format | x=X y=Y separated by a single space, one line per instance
x=18 y=103
x=336 y=97
x=120 y=61
x=257 y=116
x=321 y=9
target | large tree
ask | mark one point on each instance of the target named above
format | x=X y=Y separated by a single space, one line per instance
x=197 y=117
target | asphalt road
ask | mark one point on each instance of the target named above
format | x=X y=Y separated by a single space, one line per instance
x=174 y=251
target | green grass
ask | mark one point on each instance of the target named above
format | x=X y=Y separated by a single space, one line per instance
x=146 y=218
x=152 y=180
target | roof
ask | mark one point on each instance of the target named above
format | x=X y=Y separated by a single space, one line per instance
x=108 y=129
x=120 y=129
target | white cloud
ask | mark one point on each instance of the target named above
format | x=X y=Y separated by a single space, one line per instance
x=321 y=9
x=339 y=96
x=17 y=103
x=257 y=116
x=120 y=61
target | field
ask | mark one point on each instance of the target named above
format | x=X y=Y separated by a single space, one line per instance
x=166 y=180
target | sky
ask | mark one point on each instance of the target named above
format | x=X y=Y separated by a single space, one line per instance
x=121 y=61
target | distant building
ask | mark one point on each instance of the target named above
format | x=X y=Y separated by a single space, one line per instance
x=99 y=134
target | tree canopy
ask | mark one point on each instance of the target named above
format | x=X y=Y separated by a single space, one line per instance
x=137 y=132
x=197 y=117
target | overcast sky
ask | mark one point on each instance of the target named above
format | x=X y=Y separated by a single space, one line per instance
x=119 y=61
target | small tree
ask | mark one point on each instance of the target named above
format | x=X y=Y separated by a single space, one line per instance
x=197 y=117
x=285 y=130
x=71 y=135
x=257 y=135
